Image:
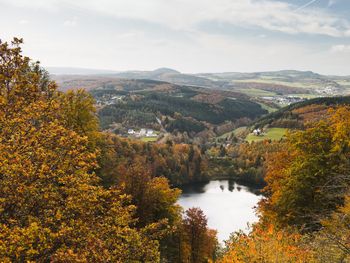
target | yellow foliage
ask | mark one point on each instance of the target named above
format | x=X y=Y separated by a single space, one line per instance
x=332 y=243
x=267 y=244
x=52 y=206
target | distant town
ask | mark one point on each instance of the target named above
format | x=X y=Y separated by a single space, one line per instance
x=142 y=133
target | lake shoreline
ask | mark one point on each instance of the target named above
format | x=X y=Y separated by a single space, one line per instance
x=255 y=188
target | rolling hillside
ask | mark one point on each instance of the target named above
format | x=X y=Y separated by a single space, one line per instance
x=284 y=82
x=298 y=115
x=138 y=103
x=168 y=100
x=273 y=90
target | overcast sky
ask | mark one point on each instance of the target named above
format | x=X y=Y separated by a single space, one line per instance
x=187 y=35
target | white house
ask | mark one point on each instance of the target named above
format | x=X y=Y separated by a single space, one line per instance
x=257 y=132
x=142 y=132
x=150 y=133
x=131 y=131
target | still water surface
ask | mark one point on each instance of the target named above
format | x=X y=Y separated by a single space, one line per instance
x=228 y=206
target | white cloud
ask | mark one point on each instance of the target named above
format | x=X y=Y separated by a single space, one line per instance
x=23 y=22
x=331 y=3
x=306 y=5
x=267 y=14
x=178 y=35
x=186 y=15
x=340 y=49
x=71 y=22
x=35 y=3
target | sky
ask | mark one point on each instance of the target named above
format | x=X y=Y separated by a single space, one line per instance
x=191 y=36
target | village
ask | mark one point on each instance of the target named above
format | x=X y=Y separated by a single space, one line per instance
x=108 y=99
x=143 y=132
x=284 y=100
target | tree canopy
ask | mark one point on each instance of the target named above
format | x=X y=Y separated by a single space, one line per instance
x=52 y=205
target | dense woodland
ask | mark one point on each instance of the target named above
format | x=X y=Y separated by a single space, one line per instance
x=179 y=163
x=71 y=193
x=186 y=109
x=243 y=162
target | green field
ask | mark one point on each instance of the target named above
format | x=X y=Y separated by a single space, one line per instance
x=285 y=83
x=343 y=82
x=273 y=81
x=306 y=96
x=267 y=107
x=257 y=92
x=271 y=134
x=236 y=132
x=149 y=139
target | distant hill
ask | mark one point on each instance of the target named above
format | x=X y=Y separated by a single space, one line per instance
x=290 y=74
x=208 y=101
x=168 y=75
x=257 y=84
x=166 y=71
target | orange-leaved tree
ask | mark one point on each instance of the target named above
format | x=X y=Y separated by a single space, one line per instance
x=199 y=243
x=308 y=180
x=332 y=243
x=52 y=207
x=267 y=244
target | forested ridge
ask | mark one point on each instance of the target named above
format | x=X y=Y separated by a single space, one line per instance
x=168 y=105
x=189 y=109
x=71 y=193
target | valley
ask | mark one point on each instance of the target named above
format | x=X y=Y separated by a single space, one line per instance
x=196 y=107
x=175 y=131
x=176 y=169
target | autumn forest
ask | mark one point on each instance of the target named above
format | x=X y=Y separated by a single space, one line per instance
x=71 y=191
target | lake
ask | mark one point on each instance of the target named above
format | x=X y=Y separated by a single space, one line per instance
x=228 y=206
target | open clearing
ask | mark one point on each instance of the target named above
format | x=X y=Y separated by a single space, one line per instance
x=149 y=139
x=272 y=134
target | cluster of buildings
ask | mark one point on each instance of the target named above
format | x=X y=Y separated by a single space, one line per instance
x=142 y=133
x=108 y=99
x=327 y=90
x=284 y=100
x=257 y=132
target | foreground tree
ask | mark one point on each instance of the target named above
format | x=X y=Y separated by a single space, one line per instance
x=308 y=180
x=153 y=197
x=332 y=243
x=267 y=244
x=199 y=243
x=52 y=207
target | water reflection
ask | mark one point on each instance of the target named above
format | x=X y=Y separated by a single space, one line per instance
x=229 y=206
x=231 y=185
